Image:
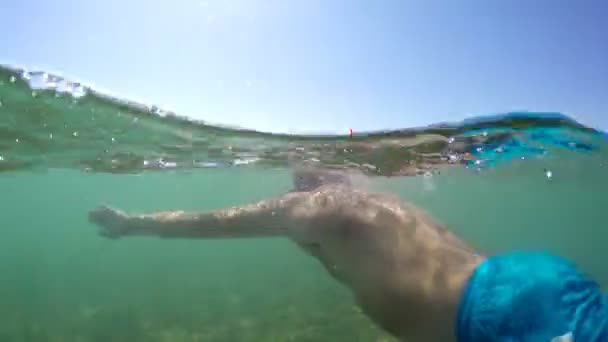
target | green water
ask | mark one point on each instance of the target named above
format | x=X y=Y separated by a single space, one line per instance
x=61 y=157
x=62 y=282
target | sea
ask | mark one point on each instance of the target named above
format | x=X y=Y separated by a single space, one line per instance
x=502 y=182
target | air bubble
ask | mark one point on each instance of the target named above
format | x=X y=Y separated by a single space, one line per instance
x=50 y=135
x=369 y=166
x=75 y=134
x=113 y=140
x=1 y=158
x=168 y=164
x=17 y=140
x=12 y=79
x=206 y=164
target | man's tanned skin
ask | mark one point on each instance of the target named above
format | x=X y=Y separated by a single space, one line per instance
x=407 y=272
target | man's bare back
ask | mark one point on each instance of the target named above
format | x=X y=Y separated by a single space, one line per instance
x=406 y=271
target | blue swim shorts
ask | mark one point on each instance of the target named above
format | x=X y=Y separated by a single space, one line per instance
x=531 y=297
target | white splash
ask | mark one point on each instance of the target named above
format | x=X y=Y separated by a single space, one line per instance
x=564 y=338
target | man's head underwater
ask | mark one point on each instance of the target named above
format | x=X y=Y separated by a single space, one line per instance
x=531 y=297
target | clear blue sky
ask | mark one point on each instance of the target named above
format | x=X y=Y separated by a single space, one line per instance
x=320 y=65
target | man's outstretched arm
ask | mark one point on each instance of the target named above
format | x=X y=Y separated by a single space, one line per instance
x=265 y=218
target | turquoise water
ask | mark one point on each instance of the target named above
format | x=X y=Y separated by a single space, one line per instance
x=63 y=282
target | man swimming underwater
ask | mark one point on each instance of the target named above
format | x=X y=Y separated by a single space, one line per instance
x=408 y=273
